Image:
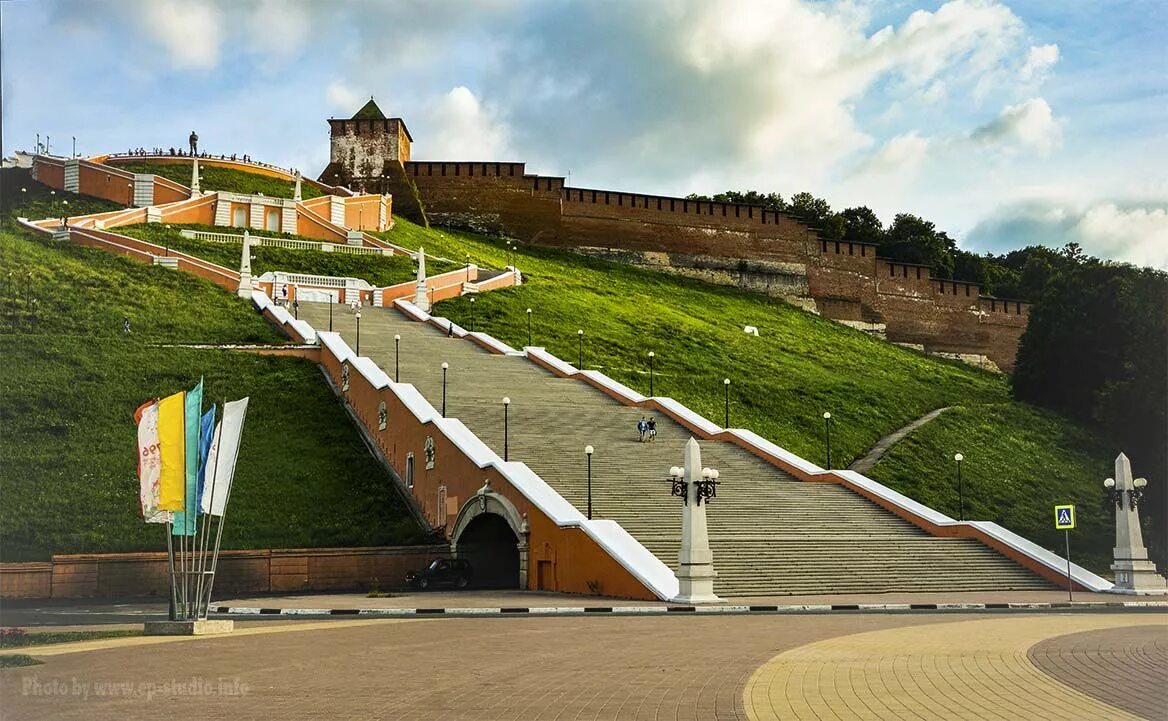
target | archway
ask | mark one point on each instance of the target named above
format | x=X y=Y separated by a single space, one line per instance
x=491 y=533
x=493 y=551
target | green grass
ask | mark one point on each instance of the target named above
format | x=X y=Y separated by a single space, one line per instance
x=1019 y=460
x=378 y=270
x=16 y=660
x=230 y=180
x=73 y=379
x=19 y=638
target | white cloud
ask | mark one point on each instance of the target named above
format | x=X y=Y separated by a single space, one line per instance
x=1112 y=229
x=460 y=127
x=1039 y=62
x=1029 y=125
x=902 y=155
x=343 y=98
x=188 y=31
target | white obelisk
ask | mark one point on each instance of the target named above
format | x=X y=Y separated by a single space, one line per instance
x=421 y=296
x=1134 y=573
x=195 y=190
x=245 y=288
x=296 y=196
x=695 y=573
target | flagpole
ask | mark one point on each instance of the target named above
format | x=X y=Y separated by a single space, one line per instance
x=207 y=520
x=170 y=562
x=223 y=515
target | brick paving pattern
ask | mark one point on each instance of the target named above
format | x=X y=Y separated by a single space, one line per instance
x=1125 y=667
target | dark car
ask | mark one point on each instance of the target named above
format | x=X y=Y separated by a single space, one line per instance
x=454 y=572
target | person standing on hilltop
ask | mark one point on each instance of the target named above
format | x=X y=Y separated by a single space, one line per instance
x=194 y=144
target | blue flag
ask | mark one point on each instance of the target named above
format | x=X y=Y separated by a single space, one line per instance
x=184 y=521
x=206 y=436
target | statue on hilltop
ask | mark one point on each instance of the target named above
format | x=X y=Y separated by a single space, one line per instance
x=194 y=139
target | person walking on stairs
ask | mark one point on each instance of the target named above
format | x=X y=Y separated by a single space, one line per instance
x=642 y=428
x=652 y=427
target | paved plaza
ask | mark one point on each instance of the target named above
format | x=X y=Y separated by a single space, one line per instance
x=926 y=666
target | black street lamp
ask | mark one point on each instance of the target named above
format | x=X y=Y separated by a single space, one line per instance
x=468 y=268
x=651 y=356
x=397 y=358
x=296 y=309
x=726 y=420
x=445 y=367
x=529 y=326
x=472 y=323
x=64 y=214
x=580 y=354
x=588 y=454
x=827 y=430
x=506 y=434
x=358 y=332
x=958 y=458
x=330 y=305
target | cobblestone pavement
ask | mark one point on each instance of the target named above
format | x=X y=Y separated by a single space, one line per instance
x=976 y=669
x=576 y=668
x=1125 y=667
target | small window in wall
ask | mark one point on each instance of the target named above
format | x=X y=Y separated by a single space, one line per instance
x=428 y=449
x=382 y=416
x=410 y=470
x=273 y=219
x=239 y=217
x=344 y=377
x=441 y=506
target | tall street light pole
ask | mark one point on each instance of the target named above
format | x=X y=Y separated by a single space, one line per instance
x=588 y=454
x=506 y=429
x=445 y=367
x=827 y=432
x=651 y=356
x=958 y=458
x=358 y=332
x=726 y=419
x=397 y=358
x=529 y=326
x=472 y=318
x=580 y=353
x=331 y=304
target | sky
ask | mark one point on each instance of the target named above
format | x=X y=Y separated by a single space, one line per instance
x=1007 y=123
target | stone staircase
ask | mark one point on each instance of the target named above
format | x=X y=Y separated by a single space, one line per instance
x=770 y=533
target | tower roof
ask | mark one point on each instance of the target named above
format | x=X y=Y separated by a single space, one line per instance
x=369 y=111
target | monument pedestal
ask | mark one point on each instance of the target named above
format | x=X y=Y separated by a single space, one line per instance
x=1134 y=573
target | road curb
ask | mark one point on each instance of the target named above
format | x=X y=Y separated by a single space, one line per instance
x=726 y=610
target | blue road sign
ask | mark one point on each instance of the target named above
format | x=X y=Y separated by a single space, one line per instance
x=1064 y=517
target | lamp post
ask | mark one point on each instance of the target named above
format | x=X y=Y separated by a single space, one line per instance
x=468 y=267
x=827 y=433
x=726 y=415
x=651 y=356
x=580 y=353
x=296 y=309
x=396 y=357
x=529 y=326
x=588 y=455
x=330 y=305
x=958 y=458
x=358 y=332
x=65 y=214
x=445 y=367
x=472 y=318
x=506 y=434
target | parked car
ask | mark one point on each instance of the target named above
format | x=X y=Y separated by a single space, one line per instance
x=454 y=572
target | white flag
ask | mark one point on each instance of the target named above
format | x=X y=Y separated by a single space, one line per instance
x=226 y=448
x=149 y=464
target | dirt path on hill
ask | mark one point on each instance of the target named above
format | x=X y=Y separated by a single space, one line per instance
x=876 y=452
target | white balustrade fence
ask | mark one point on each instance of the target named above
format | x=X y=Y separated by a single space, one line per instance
x=263 y=241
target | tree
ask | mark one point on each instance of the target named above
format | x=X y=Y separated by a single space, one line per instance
x=912 y=239
x=860 y=225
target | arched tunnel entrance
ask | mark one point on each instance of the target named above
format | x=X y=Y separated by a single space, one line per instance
x=493 y=551
x=492 y=534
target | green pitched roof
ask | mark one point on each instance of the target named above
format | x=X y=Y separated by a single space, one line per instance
x=370 y=111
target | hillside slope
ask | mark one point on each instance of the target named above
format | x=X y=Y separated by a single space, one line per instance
x=73 y=378
x=1019 y=461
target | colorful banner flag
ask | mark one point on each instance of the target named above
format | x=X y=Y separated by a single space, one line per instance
x=172 y=450
x=206 y=437
x=149 y=463
x=218 y=488
x=209 y=473
x=184 y=521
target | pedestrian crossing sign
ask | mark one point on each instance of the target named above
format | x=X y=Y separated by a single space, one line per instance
x=1064 y=517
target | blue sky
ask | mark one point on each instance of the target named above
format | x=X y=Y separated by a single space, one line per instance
x=1006 y=123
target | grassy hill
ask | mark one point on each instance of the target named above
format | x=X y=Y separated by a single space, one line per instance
x=229 y=180
x=73 y=378
x=1019 y=461
x=378 y=270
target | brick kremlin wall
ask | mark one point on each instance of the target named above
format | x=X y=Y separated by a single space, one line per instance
x=846 y=280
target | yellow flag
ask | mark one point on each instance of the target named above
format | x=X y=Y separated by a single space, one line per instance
x=172 y=442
